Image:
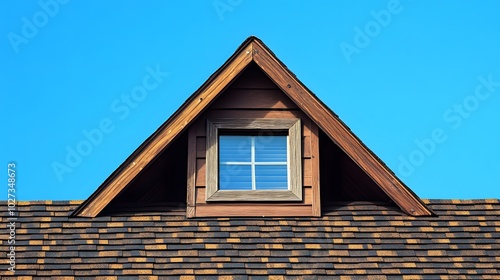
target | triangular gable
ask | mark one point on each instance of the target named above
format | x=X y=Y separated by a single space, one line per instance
x=253 y=50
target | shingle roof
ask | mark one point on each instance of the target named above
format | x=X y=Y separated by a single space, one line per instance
x=353 y=239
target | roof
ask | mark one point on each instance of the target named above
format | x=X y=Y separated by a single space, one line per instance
x=461 y=242
x=255 y=51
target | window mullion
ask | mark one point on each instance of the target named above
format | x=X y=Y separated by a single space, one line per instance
x=252 y=159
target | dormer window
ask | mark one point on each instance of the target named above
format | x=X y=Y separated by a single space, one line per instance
x=254 y=160
x=247 y=144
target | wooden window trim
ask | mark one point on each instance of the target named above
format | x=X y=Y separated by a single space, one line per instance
x=294 y=193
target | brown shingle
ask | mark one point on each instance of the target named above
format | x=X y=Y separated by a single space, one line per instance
x=378 y=242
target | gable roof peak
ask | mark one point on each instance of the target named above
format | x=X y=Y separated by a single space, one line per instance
x=253 y=50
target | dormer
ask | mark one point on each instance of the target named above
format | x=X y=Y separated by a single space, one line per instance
x=252 y=141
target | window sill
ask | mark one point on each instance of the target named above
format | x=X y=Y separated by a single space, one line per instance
x=255 y=195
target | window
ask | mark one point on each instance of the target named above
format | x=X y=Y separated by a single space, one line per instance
x=254 y=160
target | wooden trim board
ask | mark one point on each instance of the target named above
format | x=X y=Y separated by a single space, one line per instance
x=338 y=132
x=131 y=168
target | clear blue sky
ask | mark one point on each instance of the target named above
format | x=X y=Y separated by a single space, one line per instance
x=417 y=81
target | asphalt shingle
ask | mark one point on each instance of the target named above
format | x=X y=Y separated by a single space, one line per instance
x=349 y=240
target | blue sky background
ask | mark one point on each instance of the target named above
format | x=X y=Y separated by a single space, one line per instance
x=417 y=81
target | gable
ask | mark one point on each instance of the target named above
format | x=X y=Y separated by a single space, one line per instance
x=253 y=53
x=253 y=96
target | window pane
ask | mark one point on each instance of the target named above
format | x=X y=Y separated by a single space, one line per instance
x=271 y=177
x=234 y=148
x=270 y=148
x=235 y=177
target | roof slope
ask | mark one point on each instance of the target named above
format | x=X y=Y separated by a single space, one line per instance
x=462 y=242
x=253 y=51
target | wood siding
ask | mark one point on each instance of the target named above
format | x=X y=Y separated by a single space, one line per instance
x=253 y=95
